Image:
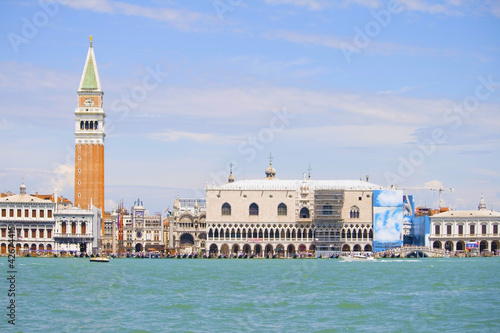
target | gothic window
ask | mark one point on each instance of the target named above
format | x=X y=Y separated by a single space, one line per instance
x=254 y=209
x=210 y=233
x=86 y=125
x=96 y=125
x=304 y=213
x=82 y=124
x=327 y=210
x=91 y=125
x=354 y=212
x=282 y=209
x=226 y=209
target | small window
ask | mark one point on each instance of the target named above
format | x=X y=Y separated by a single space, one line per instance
x=42 y=213
x=226 y=209
x=49 y=233
x=472 y=229
x=18 y=213
x=26 y=213
x=11 y=212
x=33 y=213
x=495 y=229
x=282 y=209
x=354 y=212
x=4 y=212
x=304 y=213
x=448 y=229
x=253 y=209
x=437 y=230
x=483 y=229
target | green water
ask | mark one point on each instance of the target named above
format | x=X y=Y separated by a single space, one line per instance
x=251 y=295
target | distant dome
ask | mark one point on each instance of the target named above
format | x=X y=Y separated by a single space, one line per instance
x=270 y=172
x=22 y=190
x=482 y=205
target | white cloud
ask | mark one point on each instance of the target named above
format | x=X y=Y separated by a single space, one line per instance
x=109 y=205
x=63 y=178
x=212 y=138
x=384 y=48
x=433 y=183
x=178 y=18
x=310 y=4
x=5 y=124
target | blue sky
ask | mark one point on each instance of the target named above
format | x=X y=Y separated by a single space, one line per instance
x=405 y=92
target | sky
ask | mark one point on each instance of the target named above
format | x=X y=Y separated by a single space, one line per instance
x=406 y=92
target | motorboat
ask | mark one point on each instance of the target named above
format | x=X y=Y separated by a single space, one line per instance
x=99 y=259
x=357 y=258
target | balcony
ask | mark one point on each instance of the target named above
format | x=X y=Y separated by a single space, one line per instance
x=74 y=237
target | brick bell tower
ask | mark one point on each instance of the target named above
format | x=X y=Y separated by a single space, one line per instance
x=89 y=138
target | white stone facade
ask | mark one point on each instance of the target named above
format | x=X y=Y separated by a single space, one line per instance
x=452 y=230
x=77 y=230
x=287 y=217
x=187 y=228
x=32 y=220
x=141 y=232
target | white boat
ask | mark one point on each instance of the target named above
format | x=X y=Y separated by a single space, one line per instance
x=99 y=259
x=357 y=258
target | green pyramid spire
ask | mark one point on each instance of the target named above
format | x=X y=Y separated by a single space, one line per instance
x=90 y=80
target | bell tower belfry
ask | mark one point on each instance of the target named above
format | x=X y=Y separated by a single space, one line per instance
x=89 y=138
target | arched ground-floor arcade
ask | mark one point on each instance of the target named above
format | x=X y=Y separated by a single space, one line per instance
x=264 y=249
x=491 y=245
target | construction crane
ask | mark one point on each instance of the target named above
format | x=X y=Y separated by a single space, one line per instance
x=441 y=189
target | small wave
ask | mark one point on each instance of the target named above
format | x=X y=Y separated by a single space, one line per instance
x=350 y=306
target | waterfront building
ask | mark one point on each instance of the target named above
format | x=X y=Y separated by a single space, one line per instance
x=187 y=227
x=43 y=226
x=453 y=230
x=77 y=230
x=32 y=219
x=89 y=138
x=137 y=231
x=286 y=217
x=110 y=235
